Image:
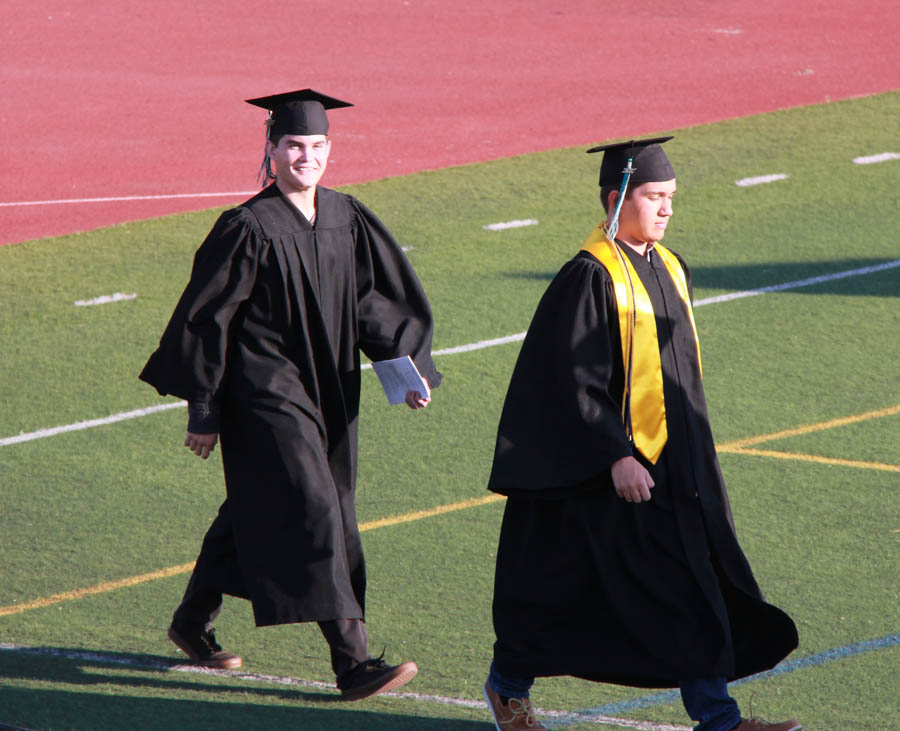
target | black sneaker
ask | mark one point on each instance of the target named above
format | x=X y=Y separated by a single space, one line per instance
x=200 y=645
x=374 y=676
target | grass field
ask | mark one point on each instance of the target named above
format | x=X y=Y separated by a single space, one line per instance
x=815 y=493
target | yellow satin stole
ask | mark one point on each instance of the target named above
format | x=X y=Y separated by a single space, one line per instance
x=643 y=402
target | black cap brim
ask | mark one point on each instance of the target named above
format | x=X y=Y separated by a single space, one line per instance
x=299 y=112
x=648 y=161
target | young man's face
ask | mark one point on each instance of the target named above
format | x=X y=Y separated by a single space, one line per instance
x=645 y=213
x=300 y=160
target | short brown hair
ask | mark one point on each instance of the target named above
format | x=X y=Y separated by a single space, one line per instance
x=605 y=192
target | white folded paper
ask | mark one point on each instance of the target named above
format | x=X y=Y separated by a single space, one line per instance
x=399 y=376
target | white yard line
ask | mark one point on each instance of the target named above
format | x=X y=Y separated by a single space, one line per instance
x=510 y=224
x=106 y=299
x=760 y=180
x=881 y=157
x=797 y=284
x=79 y=426
x=53 y=431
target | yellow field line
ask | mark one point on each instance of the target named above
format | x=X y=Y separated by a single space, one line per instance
x=809 y=428
x=186 y=567
x=439 y=510
x=738 y=446
x=814 y=458
x=98 y=589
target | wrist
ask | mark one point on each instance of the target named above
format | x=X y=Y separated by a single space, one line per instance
x=203 y=417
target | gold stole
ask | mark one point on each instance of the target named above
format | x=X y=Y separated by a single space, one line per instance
x=643 y=402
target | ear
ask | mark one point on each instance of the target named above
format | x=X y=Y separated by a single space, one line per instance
x=611 y=201
x=269 y=147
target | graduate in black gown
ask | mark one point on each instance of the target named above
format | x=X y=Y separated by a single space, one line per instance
x=264 y=344
x=618 y=559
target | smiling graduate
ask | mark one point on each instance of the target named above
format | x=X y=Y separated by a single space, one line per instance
x=264 y=344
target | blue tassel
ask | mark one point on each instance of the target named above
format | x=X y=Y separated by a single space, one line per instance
x=612 y=226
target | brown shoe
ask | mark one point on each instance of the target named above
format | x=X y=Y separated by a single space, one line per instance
x=374 y=676
x=200 y=645
x=758 y=724
x=517 y=715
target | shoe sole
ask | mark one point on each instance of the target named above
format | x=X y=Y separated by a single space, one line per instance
x=382 y=686
x=490 y=706
x=222 y=664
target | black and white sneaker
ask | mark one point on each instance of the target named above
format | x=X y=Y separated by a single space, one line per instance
x=374 y=676
x=200 y=645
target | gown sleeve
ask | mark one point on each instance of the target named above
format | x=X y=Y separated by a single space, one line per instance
x=394 y=315
x=190 y=361
x=561 y=425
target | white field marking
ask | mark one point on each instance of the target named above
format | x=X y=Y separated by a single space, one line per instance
x=881 y=157
x=481 y=344
x=471 y=346
x=79 y=426
x=110 y=658
x=799 y=283
x=728 y=31
x=406 y=248
x=760 y=180
x=106 y=299
x=510 y=224
x=114 y=199
x=457 y=349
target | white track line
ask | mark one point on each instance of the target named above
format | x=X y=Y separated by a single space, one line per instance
x=106 y=299
x=151 y=664
x=40 y=434
x=760 y=180
x=881 y=157
x=119 y=198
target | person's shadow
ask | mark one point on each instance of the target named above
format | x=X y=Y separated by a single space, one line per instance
x=884 y=282
x=49 y=687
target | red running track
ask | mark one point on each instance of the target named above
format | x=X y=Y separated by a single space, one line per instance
x=119 y=98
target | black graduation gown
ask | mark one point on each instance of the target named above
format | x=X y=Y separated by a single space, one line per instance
x=270 y=327
x=588 y=584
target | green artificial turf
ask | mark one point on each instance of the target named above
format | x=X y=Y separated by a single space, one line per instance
x=121 y=500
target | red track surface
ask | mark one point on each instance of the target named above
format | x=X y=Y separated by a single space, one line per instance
x=116 y=98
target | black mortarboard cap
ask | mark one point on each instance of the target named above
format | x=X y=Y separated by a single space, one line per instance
x=647 y=158
x=298 y=112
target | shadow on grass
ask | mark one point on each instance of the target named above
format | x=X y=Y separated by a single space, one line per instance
x=68 y=688
x=883 y=283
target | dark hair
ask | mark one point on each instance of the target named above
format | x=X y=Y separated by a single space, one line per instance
x=605 y=192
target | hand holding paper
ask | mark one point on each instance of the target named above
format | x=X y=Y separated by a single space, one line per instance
x=401 y=381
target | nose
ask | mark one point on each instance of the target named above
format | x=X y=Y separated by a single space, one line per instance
x=666 y=208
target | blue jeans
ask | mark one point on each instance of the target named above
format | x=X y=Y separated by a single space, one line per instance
x=705 y=699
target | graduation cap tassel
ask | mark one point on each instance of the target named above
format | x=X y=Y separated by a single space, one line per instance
x=612 y=226
x=265 y=170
